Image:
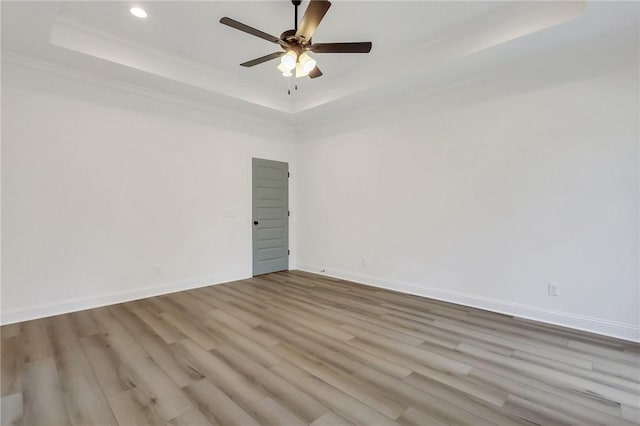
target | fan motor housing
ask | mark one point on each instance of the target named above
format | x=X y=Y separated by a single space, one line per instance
x=292 y=41
x=289 y=36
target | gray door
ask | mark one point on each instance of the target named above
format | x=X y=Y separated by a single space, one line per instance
x=270 y=216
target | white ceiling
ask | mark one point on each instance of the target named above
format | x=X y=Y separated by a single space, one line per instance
x=182 y=49
x=191 y=29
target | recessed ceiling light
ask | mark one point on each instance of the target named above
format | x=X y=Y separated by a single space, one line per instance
x=138 y=12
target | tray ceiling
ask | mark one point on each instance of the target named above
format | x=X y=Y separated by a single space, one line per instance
x=181 y=48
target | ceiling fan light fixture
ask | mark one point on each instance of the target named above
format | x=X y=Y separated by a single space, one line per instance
x=286 y=72
x=297 y=41
x=307 y=62
x=289 y=60
x=300 y=72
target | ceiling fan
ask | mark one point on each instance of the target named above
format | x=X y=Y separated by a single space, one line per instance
x=296 y=43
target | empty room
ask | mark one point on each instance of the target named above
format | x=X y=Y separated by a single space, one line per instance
x=320 y=213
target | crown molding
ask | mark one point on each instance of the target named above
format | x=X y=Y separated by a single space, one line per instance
x=77 y=37
x=268 y=119
x=500 y=25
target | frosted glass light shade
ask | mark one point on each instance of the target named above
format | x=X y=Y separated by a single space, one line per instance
x=307 y=62
x=286 y=72
x=289 y=60
x=300 y=72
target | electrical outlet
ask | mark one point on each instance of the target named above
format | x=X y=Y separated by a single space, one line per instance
x=363 y=261
x=554 y=289
x=158 y=269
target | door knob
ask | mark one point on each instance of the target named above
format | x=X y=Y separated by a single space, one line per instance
x=255 y=222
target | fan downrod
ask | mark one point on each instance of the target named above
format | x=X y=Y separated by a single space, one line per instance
x=296 y=3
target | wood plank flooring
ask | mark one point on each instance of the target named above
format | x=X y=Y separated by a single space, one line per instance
x=293 y=348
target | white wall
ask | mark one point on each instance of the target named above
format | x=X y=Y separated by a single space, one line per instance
x=485 y=203
x=100 y=185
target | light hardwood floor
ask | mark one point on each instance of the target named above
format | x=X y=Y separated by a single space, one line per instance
x=294 y=348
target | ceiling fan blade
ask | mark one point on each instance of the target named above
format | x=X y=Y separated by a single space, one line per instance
x=262 y=59
x=250 y=30
x=315 y=73
x=311 y=19
x=359 y=47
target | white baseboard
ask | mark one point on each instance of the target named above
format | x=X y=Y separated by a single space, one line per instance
x=26 y=313
x=604 y=327
x=580 y=322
